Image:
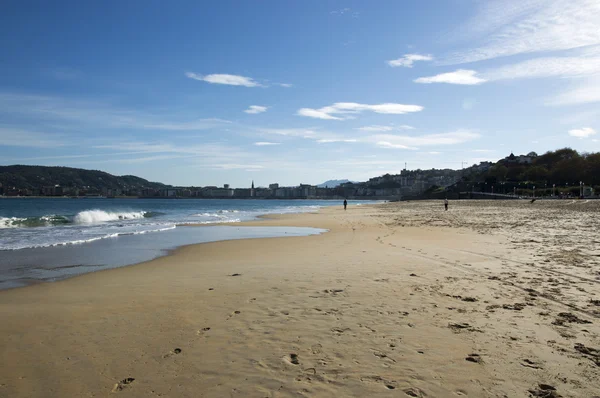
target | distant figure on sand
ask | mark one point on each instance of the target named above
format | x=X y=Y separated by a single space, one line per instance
x=446 y=204
x=345 y=204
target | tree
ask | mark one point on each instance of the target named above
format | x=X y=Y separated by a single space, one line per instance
x=536 y=173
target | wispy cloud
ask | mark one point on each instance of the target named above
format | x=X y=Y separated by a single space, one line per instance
x=266 y=143
x=345 y=11
x=376 y=128
x=99 y=114
x=331 y=140
x=30 y=139
x=236 y=166
x=299 y=132
x=286 y=85
x=343 y=109
x=408 y=60
x=199 y=124
x=413 y=142
x=390 y=145
x=546 y=67
x=584 y=92
x=64 y=74
x=461 y=76
x=529 y=26
x=221 y=78
x=254 y=109
x=584 y=132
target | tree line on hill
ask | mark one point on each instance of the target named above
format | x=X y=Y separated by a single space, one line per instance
x=35 y=178
x=561 y=171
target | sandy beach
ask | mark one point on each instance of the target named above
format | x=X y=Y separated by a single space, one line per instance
x=489 y=299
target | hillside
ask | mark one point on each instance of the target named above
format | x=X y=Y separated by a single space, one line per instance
x=37 y=177
x=332 y=183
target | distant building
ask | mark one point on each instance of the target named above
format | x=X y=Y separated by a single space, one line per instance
x=273 y=186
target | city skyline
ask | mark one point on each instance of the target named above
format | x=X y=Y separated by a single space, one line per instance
x=197 y=94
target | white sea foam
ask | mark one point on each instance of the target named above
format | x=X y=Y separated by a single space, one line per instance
x=11 y=222
x=81 y=241
x=98 y=216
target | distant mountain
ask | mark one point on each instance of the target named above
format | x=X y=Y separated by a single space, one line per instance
x=332 y=183
x=36 y=177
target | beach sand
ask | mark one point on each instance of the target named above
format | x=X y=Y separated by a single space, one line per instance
x=489 y=299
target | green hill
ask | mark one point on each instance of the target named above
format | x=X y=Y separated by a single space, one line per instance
x=36 y=177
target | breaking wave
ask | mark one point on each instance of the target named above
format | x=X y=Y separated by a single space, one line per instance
x=84 y=217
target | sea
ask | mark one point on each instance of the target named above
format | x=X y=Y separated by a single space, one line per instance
x=48 y=239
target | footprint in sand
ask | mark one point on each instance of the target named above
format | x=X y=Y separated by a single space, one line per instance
x=175 y=351
x=528 y=363
x=121 y=385
x=475 y=358
x=414 y=392
x=202 y=331
x=292 y=359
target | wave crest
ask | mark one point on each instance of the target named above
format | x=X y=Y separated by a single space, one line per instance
x=99 y=216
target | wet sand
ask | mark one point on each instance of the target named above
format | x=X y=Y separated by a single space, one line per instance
x=489 y=299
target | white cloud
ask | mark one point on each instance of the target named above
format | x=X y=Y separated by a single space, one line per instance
x=461 y=76
x=303 y=133
x=317 y=114
x=266 y=143
x=220 y=78
x=286 y=85
x=254 y=109
x=330 y=140
x=236 y=166
x=99 y=114
x=32 y=139
x=377 y=128
x=200 y=124
x=387 y=144
x=346 y=108
x=527 y=26
x=412 y=142
x=346 y=11
x=584 y=92
x=408 y=60
x=584 y=132
x=405 y=127
x=546 y=67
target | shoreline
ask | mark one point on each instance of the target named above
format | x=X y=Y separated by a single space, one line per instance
x=163 y=244
x=396 y=299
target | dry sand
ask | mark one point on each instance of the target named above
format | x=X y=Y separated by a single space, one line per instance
x=489 y=299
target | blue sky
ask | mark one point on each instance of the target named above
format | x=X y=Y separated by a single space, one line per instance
x=214 y=92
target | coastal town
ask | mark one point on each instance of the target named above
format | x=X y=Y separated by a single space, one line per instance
x=564 y=173
x=407 y=182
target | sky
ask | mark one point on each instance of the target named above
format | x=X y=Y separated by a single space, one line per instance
x=198 y=93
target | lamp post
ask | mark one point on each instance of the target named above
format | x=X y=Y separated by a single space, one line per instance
x=553 y=189
x=581 y=189
x=514 y=191
x=534 y=191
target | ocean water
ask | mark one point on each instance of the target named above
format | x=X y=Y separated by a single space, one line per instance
x=45 y=240
x=33 y=222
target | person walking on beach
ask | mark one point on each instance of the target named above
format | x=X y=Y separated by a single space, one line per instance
x=345 y=204
x=446 y=204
